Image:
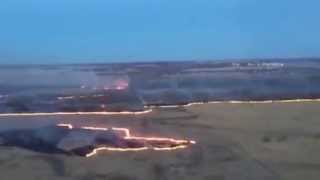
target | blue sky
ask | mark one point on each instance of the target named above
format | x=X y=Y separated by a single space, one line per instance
x=80 y=31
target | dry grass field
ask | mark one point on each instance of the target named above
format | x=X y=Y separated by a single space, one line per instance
x=234 y=142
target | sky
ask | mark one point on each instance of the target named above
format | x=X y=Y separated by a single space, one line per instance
x=98 y=31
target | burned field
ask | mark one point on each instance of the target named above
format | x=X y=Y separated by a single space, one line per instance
x=55 y=118
x=255 y=141
x=84 y=141
x=131 y=87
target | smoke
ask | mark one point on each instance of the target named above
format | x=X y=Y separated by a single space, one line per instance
x=84 y=141
x=60 y=77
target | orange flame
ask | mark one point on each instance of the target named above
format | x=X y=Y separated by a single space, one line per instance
x=149 y=108
x=78 y=113
x=180 y=144
x=236 y=102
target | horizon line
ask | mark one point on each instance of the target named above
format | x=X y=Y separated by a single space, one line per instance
x=167 y=61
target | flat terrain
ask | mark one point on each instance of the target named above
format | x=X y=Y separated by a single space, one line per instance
x=234 y=142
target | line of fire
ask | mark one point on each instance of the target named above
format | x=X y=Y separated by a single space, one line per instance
x=86 y=141
x=149 y=108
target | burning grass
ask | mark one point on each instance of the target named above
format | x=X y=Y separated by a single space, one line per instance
x=86 y=141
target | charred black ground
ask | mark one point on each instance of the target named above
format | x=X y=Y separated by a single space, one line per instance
x=75 y=141
x=119 y=87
